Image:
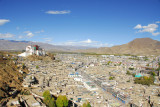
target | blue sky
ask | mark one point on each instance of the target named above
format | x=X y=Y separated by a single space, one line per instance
x=79 y=22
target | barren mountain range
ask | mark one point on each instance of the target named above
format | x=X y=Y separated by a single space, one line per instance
x=21 y=45
x=139 y=46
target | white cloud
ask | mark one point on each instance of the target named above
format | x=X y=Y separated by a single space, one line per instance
x=158 y=22
x=6 y=35
x=29 y=34
x=150 y=28
x=3 y=21
x=88 y=43
x=58 y=12
x=155 y=34
x=138 y=26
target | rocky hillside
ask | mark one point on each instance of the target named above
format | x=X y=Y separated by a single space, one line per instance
x=10 y=77
x=139 y=46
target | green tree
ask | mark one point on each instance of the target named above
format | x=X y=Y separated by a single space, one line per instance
x=65 y=101
x=109 y=62
x=147 y=65
x=131 y=68
x=52 y=103
x=62 y=101
x=46 y=100
x=86 y=104
x=37 y=67
x=111 y=78
x=46 y=93
x=59 y=101
x=47 y=97
x=128 y=73
x=153 y=73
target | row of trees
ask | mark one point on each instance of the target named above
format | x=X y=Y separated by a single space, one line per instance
x=49 y=100
x=143 y=80
x=61 y=101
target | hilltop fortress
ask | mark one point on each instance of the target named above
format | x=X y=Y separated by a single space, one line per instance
x=33 y=50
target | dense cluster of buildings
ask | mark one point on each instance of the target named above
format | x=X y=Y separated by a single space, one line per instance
x=100 y=79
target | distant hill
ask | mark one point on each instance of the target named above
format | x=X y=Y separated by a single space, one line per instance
x=21 y=45
x=139 y=46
